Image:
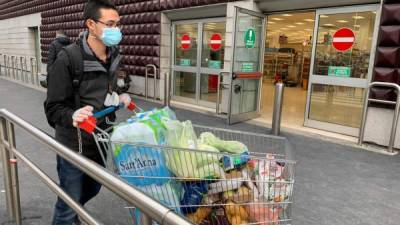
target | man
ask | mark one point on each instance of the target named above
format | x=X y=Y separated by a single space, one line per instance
x=55 y=47
x=101 y=60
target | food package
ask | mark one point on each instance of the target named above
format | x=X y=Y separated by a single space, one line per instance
x=242 y=195
x=216 y=217
x=193 y=195
x=263 y=214
x=199 y=215
x=236 y=214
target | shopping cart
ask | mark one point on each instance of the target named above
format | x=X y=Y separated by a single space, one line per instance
x=207 y=187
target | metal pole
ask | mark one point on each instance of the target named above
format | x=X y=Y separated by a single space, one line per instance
x=146 y=82
x=13 y=67
x=14 y=174
x=22 y=69
x=277 y=114
x=83 y=214
x=166 y=89
x=145 y=220
x=155 y=82
x=394 y=124
x=6 y=168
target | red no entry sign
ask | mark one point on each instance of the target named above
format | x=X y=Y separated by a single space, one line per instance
x=343 y=39
x=185 y=42
x=215 y=42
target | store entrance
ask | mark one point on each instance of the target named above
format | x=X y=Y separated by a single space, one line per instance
x=287 y=59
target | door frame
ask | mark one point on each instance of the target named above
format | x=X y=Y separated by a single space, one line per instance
x=231 y=119
x=349 y=82
x=198 y=69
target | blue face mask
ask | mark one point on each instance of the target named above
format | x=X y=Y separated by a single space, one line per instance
x=111 y=36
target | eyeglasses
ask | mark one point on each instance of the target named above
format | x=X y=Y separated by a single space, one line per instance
x=110 y=24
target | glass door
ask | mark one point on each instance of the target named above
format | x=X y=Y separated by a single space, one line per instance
x=342 y=61
x=247 y=66
x=199 y=49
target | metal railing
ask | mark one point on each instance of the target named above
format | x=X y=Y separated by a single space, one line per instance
x=395 y=116
x=154 y=74
x=17 y=68
x=152 y=209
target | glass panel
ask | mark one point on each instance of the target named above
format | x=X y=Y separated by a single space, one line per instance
x=186 y=45
x=185 y=84
x=208 y=87
x=248 y=43
x=213 y=45
x=337 y=104
x=244 y=95
x=353 y=62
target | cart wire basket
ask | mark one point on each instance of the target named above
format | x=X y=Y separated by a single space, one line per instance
x=208 y=186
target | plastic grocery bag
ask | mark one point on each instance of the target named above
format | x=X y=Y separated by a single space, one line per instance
x=138 y=165
x=142 y=165
x=189 y=162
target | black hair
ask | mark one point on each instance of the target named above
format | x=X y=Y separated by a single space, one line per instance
x=92 y=8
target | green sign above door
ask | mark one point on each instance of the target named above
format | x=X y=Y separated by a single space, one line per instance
x=250 y=38
x=339 y=71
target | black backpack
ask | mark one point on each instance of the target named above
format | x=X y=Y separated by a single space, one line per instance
x=76 y=64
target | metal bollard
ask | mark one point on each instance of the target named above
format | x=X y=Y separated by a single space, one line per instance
x=166 y=90
x=277 y=114
x=7 y=169
x=14 y=175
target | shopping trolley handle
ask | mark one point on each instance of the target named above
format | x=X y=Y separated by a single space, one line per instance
x=89 y=125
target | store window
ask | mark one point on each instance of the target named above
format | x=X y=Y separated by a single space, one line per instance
x=186 y=44
x=353 y=62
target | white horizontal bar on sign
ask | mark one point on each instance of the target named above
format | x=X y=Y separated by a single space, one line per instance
x=215 y=42
x=185 y=42
x=344 y=39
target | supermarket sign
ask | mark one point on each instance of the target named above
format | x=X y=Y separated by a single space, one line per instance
x=339 y=71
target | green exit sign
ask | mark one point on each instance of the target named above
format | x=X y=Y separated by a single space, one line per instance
x=339 y=71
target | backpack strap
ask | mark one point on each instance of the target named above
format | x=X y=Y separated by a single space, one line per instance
x=76 y=61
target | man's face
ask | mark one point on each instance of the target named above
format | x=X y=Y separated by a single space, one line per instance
x=109 y=18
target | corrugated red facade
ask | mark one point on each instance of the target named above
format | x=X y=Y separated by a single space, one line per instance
x=140 y=19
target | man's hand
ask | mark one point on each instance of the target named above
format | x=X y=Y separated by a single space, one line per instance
x=125 y=98
x=81 y=115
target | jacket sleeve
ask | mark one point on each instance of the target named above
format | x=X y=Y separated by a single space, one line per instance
x=60 y=97
x=52 y=53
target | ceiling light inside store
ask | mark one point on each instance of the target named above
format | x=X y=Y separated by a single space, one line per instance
x=357 y=25
x=271 y=22
x=277 y=19
x=299 y=23
x=329 y=25
x=284 y=28
x=323 y=16
x=291 y=26
x=287 y=15
x=358 y=17
x=308 y=29
x=342 y=21
x=309 y=20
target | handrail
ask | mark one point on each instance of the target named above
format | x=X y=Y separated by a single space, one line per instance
x=396 y=112
x=217 y=107
x=147 y=80
x=150 y=207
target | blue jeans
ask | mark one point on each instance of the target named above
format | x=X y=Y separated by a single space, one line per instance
x=78 y=185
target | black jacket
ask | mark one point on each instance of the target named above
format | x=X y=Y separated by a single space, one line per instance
x=95 y=83
x=55 y=48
